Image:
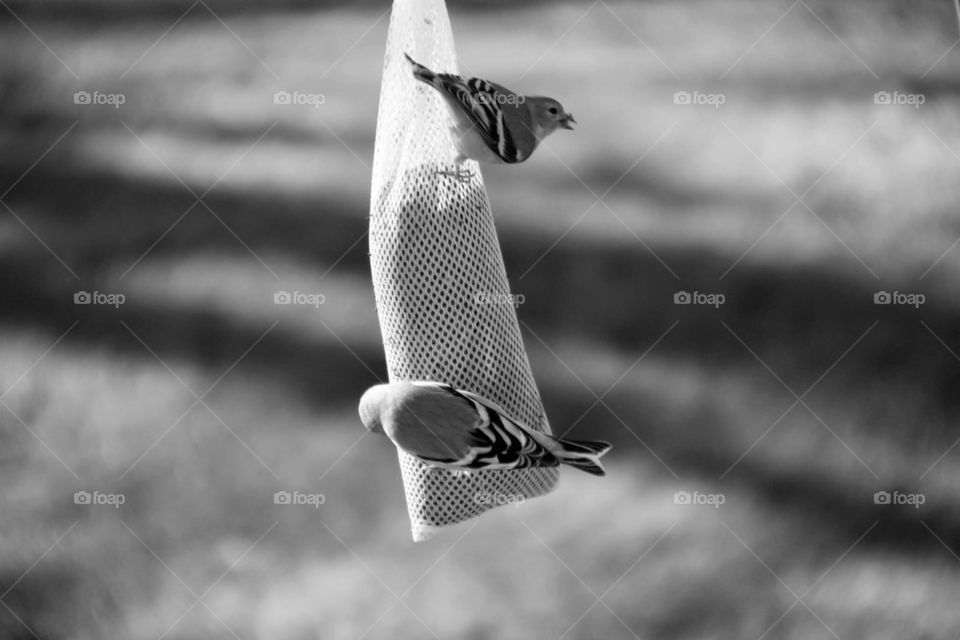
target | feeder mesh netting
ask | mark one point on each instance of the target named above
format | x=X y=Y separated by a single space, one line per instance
x=440 y=284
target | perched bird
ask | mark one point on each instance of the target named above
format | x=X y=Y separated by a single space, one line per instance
x=492 y=123
x=454 y=429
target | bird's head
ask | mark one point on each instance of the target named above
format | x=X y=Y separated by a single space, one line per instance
x=548 y=115
x=370 y=405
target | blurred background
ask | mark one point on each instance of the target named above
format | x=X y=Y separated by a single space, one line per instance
x=785 y=461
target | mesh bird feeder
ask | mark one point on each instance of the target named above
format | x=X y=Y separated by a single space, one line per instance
x=441 y=287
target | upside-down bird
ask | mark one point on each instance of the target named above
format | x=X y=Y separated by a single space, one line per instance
x=492 y=123
x=455 y=429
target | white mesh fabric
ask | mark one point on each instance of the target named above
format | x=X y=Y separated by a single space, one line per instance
x=438 y=273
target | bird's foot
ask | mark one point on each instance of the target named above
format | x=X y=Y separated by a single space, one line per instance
x=460 y=175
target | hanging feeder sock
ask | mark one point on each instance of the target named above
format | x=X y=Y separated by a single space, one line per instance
x=445 y=307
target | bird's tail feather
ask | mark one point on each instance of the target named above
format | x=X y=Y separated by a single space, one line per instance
x=420 y=72
x=584 y=454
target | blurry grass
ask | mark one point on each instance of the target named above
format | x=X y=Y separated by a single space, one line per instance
x=283 y=415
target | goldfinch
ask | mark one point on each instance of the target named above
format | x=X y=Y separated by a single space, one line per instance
x=454 y=429
x=492 y=123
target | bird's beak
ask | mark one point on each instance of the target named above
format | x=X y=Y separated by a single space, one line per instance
x=567 y=121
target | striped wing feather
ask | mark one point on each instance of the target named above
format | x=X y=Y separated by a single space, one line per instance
x=501 y=442
x=492 y=110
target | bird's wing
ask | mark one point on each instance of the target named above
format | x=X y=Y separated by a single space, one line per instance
x=437 y=426
x=518 y=120
x=484 y=104
x=500 y=441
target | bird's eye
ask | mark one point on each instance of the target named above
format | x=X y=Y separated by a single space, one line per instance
x=553 y=111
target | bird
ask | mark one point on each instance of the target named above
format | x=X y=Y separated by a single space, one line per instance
x=491 y=123
x=459 y=430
